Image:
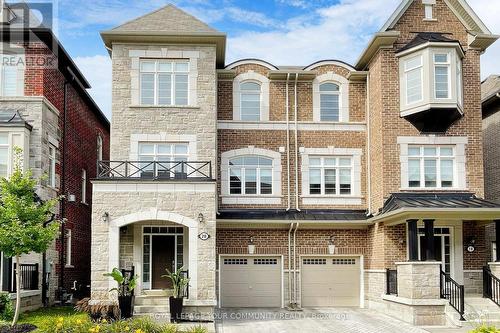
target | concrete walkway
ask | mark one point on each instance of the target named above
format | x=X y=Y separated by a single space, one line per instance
x=341 y=320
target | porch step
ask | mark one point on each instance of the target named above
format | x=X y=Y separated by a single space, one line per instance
x=151 y=309
x=151 y=300
x=165 y=293
x=477 y=310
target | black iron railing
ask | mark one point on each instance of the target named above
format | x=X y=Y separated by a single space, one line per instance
x=391 y=280
x=154 y=170
x=491 y=286
x=453 y=292
x=29 y=277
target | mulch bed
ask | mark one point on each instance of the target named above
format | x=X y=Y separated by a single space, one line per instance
x=22 y=328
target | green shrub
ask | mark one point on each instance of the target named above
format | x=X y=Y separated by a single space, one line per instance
x=6 y=308
x=197 y=329
x=486 y=329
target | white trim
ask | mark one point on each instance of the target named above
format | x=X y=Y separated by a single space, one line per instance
x=354 y=198
x=301 y=126
x=68 y=248
x=251 y=62
x=153 y=187
x=330 y=62
x=252 y=199
x=282 y=283
x=264 y=94
x=343 y=84
x=162 y=137
x=84 y=187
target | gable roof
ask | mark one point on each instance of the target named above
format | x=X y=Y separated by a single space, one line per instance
x=168 y=19
x=490 y=87
x=459 y=7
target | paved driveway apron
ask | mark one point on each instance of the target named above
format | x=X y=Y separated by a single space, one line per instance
x=311 y=320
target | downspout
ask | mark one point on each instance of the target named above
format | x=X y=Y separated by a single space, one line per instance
x=288 y=143
x=44 y=268
x=295 y=266
x=368 y=147
x=290 y=265
x=296 y=146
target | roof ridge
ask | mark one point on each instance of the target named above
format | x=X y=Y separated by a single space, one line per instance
x=142 y=16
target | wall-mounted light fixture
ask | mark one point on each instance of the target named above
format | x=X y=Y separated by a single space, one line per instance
x=251 y=245
x=201 y=218
x=331 y=245
x=105 y=217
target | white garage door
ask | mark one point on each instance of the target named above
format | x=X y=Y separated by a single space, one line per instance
x=328 y=281
x=250 y=282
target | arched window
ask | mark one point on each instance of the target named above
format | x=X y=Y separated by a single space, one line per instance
x=329 y=101
x=250 y=98
x=250 y=175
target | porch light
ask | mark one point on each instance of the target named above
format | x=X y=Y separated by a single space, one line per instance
x=251 y=245
x=331 y=245
x=201 y=218
x=105 y=217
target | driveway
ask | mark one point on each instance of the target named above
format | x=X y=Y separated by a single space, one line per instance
x=341 y=320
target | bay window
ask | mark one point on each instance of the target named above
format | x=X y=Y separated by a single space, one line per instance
x=164 y=82
x=4 y=154
x=441 y=75
x=413 y=77
x=250 y=175
x=431 y=167
x=330 y=175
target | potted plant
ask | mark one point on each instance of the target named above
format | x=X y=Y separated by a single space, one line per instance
x=126 y=286
x=179 y=283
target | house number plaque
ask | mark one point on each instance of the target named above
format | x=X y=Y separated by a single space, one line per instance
x=471 y=248
x=204 y=236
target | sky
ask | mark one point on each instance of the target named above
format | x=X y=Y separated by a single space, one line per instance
x=283 y=32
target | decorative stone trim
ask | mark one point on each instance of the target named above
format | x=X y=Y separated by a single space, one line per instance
x=227 y=198
x=281 y=125
x=164 y=53
x=162 y=137
x=343 y=100
x=354 y=199
x=264 y=94
x=460 y=159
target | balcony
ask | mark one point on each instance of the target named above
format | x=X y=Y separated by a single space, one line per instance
x=154 y=170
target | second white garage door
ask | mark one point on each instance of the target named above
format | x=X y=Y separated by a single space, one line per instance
x=330 y=281
x=250 y=282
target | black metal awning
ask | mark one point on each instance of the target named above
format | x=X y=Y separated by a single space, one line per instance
x=12 y=118
x=292 y=215
x=440 y=200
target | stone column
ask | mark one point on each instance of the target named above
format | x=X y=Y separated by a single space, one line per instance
x=495 y=268
x=419 y=280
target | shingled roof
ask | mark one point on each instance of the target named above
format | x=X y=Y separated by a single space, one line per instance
x=168 y=19
x=427 y=37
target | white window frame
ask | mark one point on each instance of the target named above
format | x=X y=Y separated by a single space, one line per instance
x=337 y=167
x=251 y=76
x=332 y=93
x=155 y=155
x=99 y=147
x=257 y=199
x=68 y=258
x=9 y=153
x=243 y=92
x=438 y=158
x=407 y=71
x=173 y=75
x=52 y=166
x=459 y=82
x=243 y=179
x=84 y=186
x=447 y=65
x=343 y=84
x=19 y=61
x=459 y=169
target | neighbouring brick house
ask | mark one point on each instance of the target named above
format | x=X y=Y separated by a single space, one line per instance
x=490 y=98
x=297 y=186
x=46 y=110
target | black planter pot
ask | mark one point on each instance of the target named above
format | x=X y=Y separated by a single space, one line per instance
x=126 y=304
x=175 y=309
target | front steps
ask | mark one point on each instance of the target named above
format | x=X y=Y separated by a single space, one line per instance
x=153 y=303
x=478 y=310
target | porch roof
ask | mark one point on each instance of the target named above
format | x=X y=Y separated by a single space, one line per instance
x=293 y=215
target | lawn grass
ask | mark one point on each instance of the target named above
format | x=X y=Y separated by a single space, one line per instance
x=44 y=315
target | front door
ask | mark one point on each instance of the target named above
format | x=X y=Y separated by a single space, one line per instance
x=163 y=257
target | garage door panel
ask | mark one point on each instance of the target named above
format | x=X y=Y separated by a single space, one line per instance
x=251 y=282
x=328 y=281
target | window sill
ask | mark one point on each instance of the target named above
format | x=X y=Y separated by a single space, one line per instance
x=433 y=189
x=331 y=200
x=138 y=106
x=251 y=199
x=69 y=266
x=84 y=203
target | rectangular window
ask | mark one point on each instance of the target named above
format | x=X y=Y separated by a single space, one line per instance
x=413 y=76
x=428 y=12
x=9 y=80
x=250 y=175
x=330 y=175
x=52 y=166
x=431 y=166
x=442 y=75
x=164 y=82
x=4 y=154
x=459 y=83
x=167 y=156
x=84 y=186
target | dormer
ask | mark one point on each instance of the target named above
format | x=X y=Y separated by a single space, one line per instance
x=431 y=90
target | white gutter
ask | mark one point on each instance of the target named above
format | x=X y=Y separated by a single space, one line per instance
x=295 y=266
x=290 y=264
x=288 y=142
x=296 y=146
x=368 y=143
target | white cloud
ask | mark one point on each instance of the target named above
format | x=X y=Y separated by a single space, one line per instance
x=97 y=70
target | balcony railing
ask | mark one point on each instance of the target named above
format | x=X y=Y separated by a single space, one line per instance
x=491 y=286
x=391 y=278
x=28 y=275
x=154 y=170
x=453 y=292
